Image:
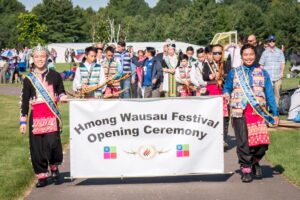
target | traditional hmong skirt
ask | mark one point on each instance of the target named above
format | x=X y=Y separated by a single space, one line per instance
x=44 y=121
x=172 y=86
x=213 y=90
x=257 y=129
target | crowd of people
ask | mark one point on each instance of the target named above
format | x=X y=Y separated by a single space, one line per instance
x=14 y=61
x=174 y=73
x=245 y=80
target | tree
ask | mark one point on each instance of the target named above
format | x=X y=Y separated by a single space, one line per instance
x=283 y=21
x=9 y=11
x=63 y=21
x=170 y=6
x=30 y=30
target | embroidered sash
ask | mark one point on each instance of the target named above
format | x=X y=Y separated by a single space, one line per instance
x=262 y=112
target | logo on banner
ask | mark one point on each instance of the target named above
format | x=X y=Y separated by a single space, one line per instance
x=183 y=150
x=110 y=152
x=147 y=152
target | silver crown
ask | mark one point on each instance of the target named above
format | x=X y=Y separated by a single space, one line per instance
x=39 y=48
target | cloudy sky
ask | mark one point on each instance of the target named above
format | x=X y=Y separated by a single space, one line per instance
x=96 y=4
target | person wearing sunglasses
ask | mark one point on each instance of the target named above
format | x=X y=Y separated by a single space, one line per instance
x=273 y=61
x=215 y=73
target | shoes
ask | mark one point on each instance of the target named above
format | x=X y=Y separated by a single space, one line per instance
x=247 y=177
x=257 y=171
x=246 y=174
x=41 y=183
x=225 y=146
x=55 y=175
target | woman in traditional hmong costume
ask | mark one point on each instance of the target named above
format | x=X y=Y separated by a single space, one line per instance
x=215 y=72
x=183 y=77
x=169 y=65
x=42 y=90
x=250 y=92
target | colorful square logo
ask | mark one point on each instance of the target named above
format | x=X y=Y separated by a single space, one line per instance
x=182 y=150
x=110 y=152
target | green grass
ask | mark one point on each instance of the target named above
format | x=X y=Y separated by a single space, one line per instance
x=288 y=83
x=16 y=174
x=284 y=154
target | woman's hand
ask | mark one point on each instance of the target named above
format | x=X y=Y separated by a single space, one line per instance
x=276 y=121
x=212 y=76
x=23 y=128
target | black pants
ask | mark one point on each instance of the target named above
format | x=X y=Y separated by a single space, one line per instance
x=225 y=128
x=45 y=149
x=247 y=155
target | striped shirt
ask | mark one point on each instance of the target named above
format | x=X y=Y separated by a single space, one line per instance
x=272 y=59
x=125 y=61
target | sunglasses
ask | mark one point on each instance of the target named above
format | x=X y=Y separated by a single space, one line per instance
x=217 y=53
x=271 y=41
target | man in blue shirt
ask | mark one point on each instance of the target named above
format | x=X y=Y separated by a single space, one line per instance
x=152 y=75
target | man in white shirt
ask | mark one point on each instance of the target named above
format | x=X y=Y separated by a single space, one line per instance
x=89 y=73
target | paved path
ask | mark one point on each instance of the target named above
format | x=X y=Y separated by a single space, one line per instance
x=216 y=187
x=208 y=187
x=10 y=90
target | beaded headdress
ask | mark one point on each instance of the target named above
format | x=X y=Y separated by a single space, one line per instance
x=171 y=43
x=39 y=48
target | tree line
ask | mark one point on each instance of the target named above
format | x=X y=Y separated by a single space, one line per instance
x=192 y=21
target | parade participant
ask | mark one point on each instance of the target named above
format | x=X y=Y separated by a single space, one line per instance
x=112 y=70
x=190 y=53
x=139 y=72
x=215 y=73
x=197 y=73
x=183 y=77
x=152 y=74
x=43 y=89
x=124 y=57
x=89 y=73
x=250 y=92
x=99 y=56
x=169 y=65
x=233 y=53
x=161 y=56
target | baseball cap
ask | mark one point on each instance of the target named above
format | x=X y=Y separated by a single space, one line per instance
x=271 y=37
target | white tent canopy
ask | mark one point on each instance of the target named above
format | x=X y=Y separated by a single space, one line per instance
x=61 y=47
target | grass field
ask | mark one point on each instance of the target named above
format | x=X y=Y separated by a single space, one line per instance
x=16 y=173
x=284 y=154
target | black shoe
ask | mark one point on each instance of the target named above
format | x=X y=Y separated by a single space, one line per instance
x=247 y=178
x=55 y=175
x=225 y=146
x=41 y=183
x=257 y=171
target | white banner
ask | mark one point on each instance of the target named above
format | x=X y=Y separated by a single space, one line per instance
x=148 y=137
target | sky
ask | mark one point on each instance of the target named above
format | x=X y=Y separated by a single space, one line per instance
x=95 y=4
